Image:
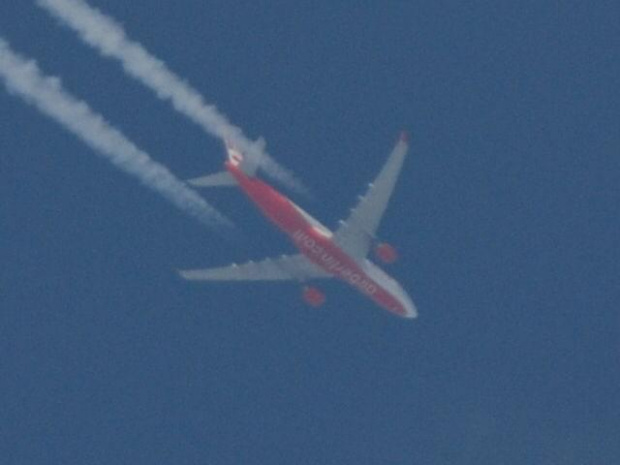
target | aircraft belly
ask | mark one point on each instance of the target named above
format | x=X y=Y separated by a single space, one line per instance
x=276 y=207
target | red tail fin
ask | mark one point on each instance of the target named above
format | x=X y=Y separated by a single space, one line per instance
x=247 y=163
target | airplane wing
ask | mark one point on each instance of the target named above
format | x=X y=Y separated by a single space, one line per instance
x=285 y=267
x=355 y=234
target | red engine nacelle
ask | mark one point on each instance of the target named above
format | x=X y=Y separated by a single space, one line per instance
x=313 y=296
x=386 y=253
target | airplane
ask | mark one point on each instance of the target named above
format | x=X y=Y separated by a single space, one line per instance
x=342 y=254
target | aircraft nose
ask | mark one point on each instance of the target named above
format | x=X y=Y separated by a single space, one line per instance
x=410 y=308
x=412 y=312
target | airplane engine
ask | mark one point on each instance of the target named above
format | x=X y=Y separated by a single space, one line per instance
x=385 y=252
x=313 y=296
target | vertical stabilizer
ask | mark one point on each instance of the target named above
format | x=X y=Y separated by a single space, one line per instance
x=248 y=165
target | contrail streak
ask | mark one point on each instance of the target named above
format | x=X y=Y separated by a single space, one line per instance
x=23 y=78
x=107 y=36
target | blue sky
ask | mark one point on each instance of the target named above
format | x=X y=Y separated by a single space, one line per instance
x=505 y=218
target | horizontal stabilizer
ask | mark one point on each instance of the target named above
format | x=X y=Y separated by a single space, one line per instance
x=214 y=180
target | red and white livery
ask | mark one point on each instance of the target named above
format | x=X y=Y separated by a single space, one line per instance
x=341 y=254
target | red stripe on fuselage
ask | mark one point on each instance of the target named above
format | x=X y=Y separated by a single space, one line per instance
x=319 y=248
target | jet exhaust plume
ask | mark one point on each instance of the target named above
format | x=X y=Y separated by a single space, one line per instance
x=24 y=79
x=103 y=33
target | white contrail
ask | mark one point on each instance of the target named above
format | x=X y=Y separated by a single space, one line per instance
x=24 y=79
x=107 y=36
